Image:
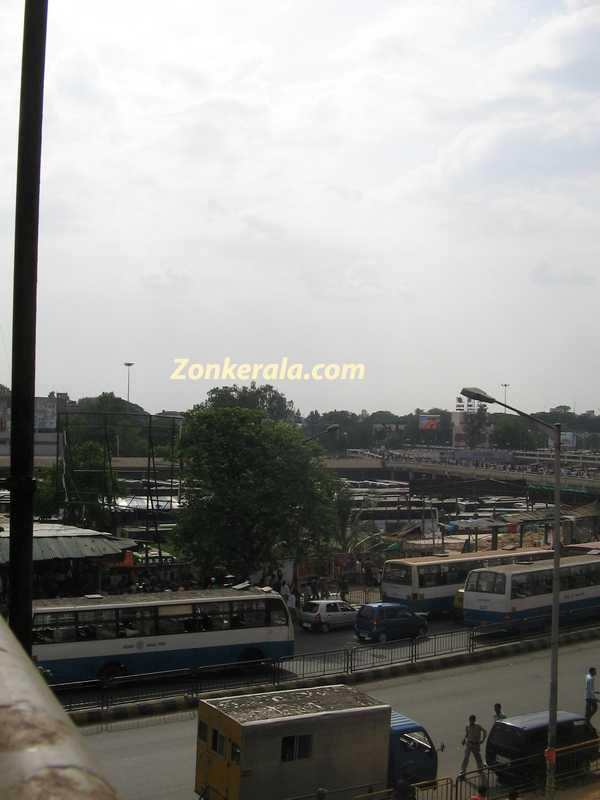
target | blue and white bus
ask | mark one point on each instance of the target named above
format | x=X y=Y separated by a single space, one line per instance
x=98 y=637
x=429 y=583
x=519 y=596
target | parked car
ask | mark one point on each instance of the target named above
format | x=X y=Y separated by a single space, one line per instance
x=324 y=615
x=515 y=746
x=383 y=622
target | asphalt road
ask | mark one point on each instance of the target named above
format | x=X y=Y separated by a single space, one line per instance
x=312 y=642
x=156 y=761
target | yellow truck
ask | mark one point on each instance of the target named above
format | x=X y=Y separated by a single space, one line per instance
x=286 y=744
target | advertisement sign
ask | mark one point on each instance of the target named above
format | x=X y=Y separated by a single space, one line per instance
x=568 y=440
x=429 y=422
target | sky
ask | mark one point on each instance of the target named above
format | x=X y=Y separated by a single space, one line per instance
x=412 y=185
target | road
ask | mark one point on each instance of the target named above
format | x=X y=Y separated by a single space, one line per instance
x=311 y=642
x=156 y=760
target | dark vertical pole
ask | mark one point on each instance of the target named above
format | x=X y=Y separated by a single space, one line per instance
x=24 y=318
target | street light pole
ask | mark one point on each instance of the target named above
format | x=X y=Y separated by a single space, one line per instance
x=483 y=397
x=21 y=483
x=553 y=704
x=505 y=386
x=129 y=365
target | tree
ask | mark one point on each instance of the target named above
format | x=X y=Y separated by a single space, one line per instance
x=263 y=398
x=476 y=427
x=515 y=433
x=254 y=488
x=114 y=423
x=344 y=508
x=90 y=487
x=46 y=498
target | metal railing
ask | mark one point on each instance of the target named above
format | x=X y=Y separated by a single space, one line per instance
x=42 y=753
x=575 y=763
x=193 y=682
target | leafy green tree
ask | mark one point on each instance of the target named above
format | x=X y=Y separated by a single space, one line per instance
x=515 y=433
x=90 y=486
x=47 y=495
x=254 y=488
x=476 y=427
x=114 y=424
x=344 y=511
x=263 y=398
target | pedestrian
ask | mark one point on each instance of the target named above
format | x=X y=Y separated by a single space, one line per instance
x=474 y=738
x=498 y=715
x=285 y=590
x=591 y=704
x=291 y=604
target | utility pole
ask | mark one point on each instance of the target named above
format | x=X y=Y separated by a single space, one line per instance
x=129 y=365
x=505 y=387
x=21 y=480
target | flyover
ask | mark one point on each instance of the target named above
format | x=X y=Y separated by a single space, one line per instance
x=398 y=468
x=376 y=467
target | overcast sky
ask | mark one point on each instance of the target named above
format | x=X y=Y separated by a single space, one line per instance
x=412 y=184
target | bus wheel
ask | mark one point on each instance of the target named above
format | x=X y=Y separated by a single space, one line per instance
x=110 y=671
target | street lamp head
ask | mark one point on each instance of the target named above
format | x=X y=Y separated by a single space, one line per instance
x=128 y=363
x=473 y=393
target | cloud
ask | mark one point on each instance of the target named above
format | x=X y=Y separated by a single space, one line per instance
x=550 y=277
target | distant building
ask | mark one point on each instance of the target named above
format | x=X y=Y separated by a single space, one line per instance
x=46 y=412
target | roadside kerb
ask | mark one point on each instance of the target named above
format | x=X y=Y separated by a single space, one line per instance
x=185 y=702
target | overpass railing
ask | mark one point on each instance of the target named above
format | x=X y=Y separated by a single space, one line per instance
x=42 y=754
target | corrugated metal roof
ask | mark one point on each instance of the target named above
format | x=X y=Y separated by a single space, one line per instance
x=66 y=541
x=587 y=511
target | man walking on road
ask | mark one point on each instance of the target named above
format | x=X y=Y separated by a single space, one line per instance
x=498 y=715
x=474 y=738
x=591 y=704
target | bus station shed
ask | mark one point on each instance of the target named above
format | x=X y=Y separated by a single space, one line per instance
x=68 y=560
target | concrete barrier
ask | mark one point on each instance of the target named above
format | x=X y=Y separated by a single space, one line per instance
x=42 y=754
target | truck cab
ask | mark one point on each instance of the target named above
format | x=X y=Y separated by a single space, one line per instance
x=413 y=756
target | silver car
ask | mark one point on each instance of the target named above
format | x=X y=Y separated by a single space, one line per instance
x=324 y=615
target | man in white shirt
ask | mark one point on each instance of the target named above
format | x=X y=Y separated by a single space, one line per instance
x=591 y=704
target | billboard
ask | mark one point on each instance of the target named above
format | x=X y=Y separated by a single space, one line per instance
x=429 y=422
x=568 y=440
x=44 y=410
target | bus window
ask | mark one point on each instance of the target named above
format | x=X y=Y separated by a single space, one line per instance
x=63 y=627
x=276 y=611
x=97 y=624
x=176 y=619
x=398 y=573
x=429 y=575
x=471 y=585
x=134 y=622
x=249 y=614
x=565 y=580
x=578 y=577
x=214 y=616
x=520 y=586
